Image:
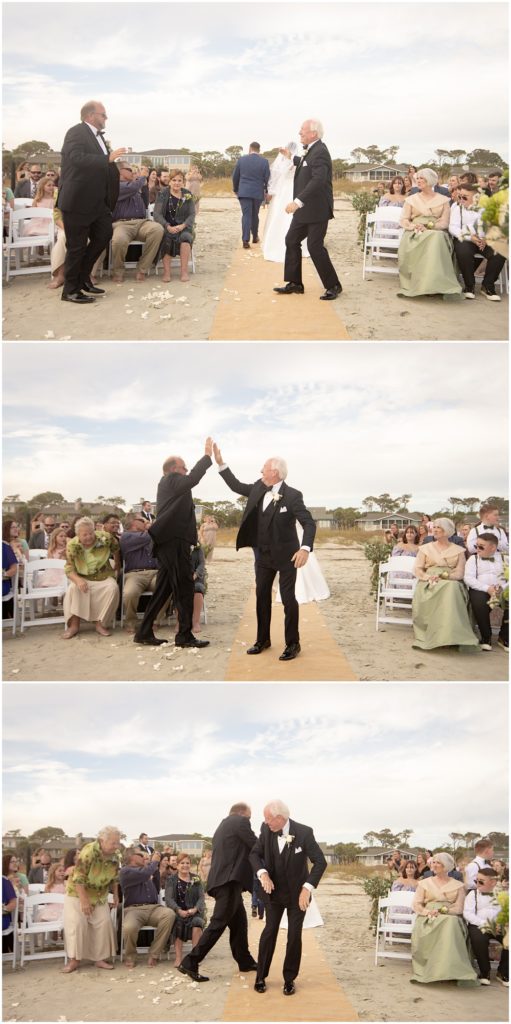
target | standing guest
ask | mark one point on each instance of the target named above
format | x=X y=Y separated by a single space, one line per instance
x=130 y=224
x=439 y=937
x=38 y=875
x=205 y=866
x=229 y=876
x=466 y=228
x=250 y=183
x=70 y=860
x=193 y=182
x=494 y=181
x=147 y=511
x=89 y=185
x=22 y=171
x=207 y=536
x=11 y=535
x=490 y=520
x=141 y=906
x=153 y=185
x=440 y=601
x=40 y=538
x=26 y=187
x=56 y=883
x=88 y=929
x=412 y=174
x=481 y=908
x=425 y=249
x=174 y=210
x=173 y=533
x=144 y=844
x=92 y=594
x=483 y=850
x=484 y=577
x=185 y=896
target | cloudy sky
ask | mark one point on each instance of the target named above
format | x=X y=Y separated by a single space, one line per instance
x=347 y=759
x=351 y=420
x=210 y=75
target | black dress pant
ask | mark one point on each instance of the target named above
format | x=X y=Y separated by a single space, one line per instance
x=266 y=571
x=480 y=942
x=229 y=913
x=174 y=579
x=466 y=253
x=85 y=241
x=479 y=605
x=274 y=910
x=315 y=235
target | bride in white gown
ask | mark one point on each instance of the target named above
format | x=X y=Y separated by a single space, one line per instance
x=280 y=188
x=310 y=585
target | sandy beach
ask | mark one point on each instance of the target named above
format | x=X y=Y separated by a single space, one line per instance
x=152 y=311
x=41 y=654
x=41 y=993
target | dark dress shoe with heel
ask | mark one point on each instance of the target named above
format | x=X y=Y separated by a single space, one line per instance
x=289 y=288
x=289 y=988
x=258 y=647
x=290 y=652
x=192 y=641
x=76 y=297
x=332 y=293
x=192 y=973
x=91 y=289
x=260 y=986
x=149 y=641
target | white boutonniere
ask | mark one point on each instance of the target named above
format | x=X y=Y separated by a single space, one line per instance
x=289 y=839
x=276 y=497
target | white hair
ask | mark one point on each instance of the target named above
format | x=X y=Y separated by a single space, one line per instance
x=280 y=465
x=108 y=832
x=84 y=521
x=445 y=524
x=429 y=175
x=445 y=859
x=316 y=126
x=278 y=808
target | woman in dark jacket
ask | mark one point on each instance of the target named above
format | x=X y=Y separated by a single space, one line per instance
x=184 y=894
x=174 y=209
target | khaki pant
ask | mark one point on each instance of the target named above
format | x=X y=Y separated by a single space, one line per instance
x=136 y=584
x=126 y=231
x=135 y=918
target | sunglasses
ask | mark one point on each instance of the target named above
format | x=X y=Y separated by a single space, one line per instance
x=479 y=547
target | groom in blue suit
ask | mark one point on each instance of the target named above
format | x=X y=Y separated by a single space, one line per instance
x=250 y=183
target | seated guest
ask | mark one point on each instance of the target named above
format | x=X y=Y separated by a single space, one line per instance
x=408 y=184
x=9 y=569
x=185 y=895
x=11 y=535
x=199 y=585
x=424 y=533
x=92 y=594
x=56 y=549
x=422 y=865
x=396 y=194
x=175 y=211
x=140 y=567
x=480 y=908
x=8 y=908
x=45 y=198
x=153 y=185
x=425 y=250
x=467 y=230
x=26 y=186
x=490 y=519
x=130 y=224
x=453 y=183
x=494 y=181
x=440 y=601
x=88 y=929
x=407 y=882
x=483 y=850
x=56 y=883
x=463 y=532
x=439 y=937
x=18 y=880
x=409 y=543
x=484 y=577
x=141 y=907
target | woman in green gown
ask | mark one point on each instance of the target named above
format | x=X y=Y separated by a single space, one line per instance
x=425 y=251
x=440 y=935
x=440 y=602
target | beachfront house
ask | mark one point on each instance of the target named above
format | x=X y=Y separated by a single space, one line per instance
x=374 y=172
x=181 y=843
x=329 y=852
x=374 y=856
x=159 y=158
x=371 y=521
x=323 y=519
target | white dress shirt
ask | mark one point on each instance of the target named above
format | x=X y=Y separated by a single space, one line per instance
x=268 y=498
x=498 y=532
x=98 y=137
x=282 y=841
x=304 y=157
x=463 y=223
x=472 y=870
x=481 y=573
x=480 y=907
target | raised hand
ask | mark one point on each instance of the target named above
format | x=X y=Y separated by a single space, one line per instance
x=218 y=455
x=208 y=448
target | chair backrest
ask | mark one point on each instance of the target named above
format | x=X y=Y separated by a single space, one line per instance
x=40 y=899
x=34 y=887
x=35 y=553
x=20 y=204
x=150 y=212
x=398 y=563
x=32 y=568
x=388 y=214
x=38 y=213
x=401 y=898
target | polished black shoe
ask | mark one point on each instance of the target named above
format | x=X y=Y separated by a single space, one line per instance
x=289 y=288
x=289 y=988
x=76 y=297
x=260 y=986
x=290 y=652
x=332 y=293
x=192 y=973
x=91 y=289
x=246 y=245
x=149 y=641
x=254 y=912
x=192 y=642
x=257 y=647
x=251 y=967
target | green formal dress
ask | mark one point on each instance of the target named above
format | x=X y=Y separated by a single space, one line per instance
x=425 y=258
x=440 y=949
x=440 y=610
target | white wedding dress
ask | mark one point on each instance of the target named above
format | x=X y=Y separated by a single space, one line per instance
x=310 y=585
x=280 y=188
x=312 y=917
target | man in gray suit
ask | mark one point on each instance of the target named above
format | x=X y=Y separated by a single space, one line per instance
x=250 y=183
x=26 y=189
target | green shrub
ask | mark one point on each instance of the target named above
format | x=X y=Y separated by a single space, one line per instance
x=364 y=203
x=376 y=887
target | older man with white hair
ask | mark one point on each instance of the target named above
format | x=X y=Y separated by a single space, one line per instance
x=280 y=859
x=312 y=207
x=269 y=526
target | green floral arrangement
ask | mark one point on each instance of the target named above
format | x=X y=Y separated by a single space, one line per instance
x=377 y=888
x=499 y=926
x=364 y=203
x=376 y=551
x=495 y=217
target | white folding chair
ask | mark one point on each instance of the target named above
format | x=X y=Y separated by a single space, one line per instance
x=16 y=242
x=31 y=928
x=12 y=929
x=395 y=925
x=22 y=204
x=395 y=591
x=14 y=597
x=30 y=593
x=381 y=243
x=35 y=887
x=35 y=553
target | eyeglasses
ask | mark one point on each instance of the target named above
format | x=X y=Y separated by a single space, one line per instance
x=464 y=197
x=480 y=547
x=481 y=881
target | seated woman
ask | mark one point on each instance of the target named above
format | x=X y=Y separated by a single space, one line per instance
x=425 y=250
x=8 y=906
x=467 y=230
x=17 y=878
x=439 y=937
x=424 y=532
x=422 y=864
x=174 y=209
x=92 y=594
x=185 y=895
x=9 y=570
x=56 y=883
x=44 y=197
x=11 y=535
x=153 y=185
x=396 y=195
x=407 y=882
x=440 y=602
x=407 y=546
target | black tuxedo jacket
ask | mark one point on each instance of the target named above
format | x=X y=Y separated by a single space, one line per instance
x=88 y=180
x=284 y=512
x=23 y=189
x=175 y=511
x=298 y=853
x=313 y=185
x=232 y=843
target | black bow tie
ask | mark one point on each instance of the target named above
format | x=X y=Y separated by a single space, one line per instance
x=101 y=132
x=279 y=833
x=305 y=148
x=270 y=488
x=491 y=558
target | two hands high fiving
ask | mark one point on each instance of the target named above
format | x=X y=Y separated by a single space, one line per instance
x=212 y=449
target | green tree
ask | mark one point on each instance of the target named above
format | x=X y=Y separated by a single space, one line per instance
x=115 y=500
x=457 y=154
x=485 y=158
x=347 y=852
x=443 y=155
x=501 y=503
x=339 y=167
x=404 y=836
x=403 y=501
x=346 y=517
x=43 y=835
x=234 y=153
x=469 y=838
x=46 y=498
x=457 y=838
x=33 y=146
x=387 y=504
x=369 y=502
x=500 y=840
x=455 y=504
x=470 y=502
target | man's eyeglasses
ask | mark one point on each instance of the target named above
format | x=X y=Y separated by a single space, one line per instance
x=480 y=547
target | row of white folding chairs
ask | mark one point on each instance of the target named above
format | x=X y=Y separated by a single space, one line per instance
x=16 y=242
x=395 y=591
x=30 y=929
x=395 y=925
x=26 y=595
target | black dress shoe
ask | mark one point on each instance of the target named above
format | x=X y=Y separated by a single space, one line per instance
x=332 y=293
x=260 y=986
x=192 y=973
x=91 y=289
x=192 y=642
x=149 y=641
x=255 y=240
x=76 y=297
x=246 y=245
x=289 y=288
x=289 y=988
x=258 y=647
x=251 y=967
x=290 y=652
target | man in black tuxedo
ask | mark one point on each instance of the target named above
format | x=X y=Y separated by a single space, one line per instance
x=312 y=207
x=174 y=533
x=279 y=859
x=88 y=190
x=269 y=526
x=143 y=843
x=229 y=876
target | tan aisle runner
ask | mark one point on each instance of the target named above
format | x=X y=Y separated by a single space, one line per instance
x=318 y=994
x=320 y=658
x=249 y=310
